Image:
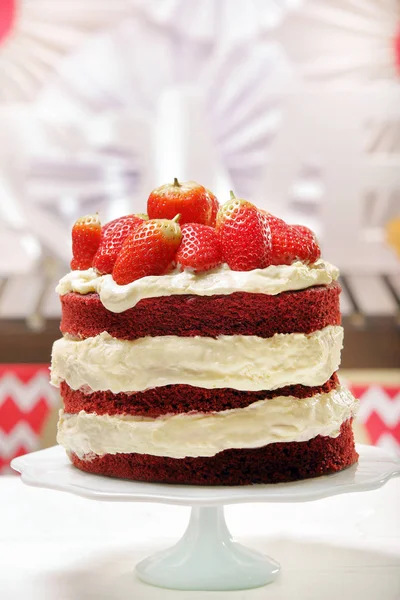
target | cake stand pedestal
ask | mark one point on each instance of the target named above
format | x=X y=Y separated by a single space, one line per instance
x=206 y=557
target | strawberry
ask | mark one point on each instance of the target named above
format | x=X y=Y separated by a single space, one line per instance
x=291 y=242
x=113 y=235
x=200 y=249
x=149 y=250
x=244 y=235
x=214 y=208
x=86 y=235
x=190 y=199
x=314 y=250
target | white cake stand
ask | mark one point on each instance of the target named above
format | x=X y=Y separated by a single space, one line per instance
x=206 y=557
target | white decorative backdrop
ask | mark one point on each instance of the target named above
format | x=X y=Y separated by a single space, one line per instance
x=293 y=103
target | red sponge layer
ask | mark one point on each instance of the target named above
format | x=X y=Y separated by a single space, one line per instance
x=174 y=399
x=240 y=313
x=273 y=463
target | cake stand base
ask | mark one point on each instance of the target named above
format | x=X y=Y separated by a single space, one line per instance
x=207 y=558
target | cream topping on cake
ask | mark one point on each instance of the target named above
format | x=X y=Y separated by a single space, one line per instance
x=240 y=362
x=280 y=419
x=272 y=280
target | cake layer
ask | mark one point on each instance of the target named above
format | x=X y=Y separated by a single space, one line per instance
x=173 y=399
x=241 y=362
x=240 y=313
x=272 y=280
x=279 y=419
x=273 y=463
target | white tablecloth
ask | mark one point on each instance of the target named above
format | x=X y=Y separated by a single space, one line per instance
x=55 y=546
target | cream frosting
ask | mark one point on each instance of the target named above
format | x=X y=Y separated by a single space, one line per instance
x=280 y=419
x=241 y=362
x=271 y=280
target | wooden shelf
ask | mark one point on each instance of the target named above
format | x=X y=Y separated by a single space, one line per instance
x=19 y=344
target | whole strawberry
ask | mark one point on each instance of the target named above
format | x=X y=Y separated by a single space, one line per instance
x=86 y=235
x=244 y=235
x=189 y=199
x=113 y=235
x=200 y=249
x=149 y=250
x=291 y=243
x=313 y=248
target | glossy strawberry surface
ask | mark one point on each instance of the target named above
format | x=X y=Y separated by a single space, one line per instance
x=200 y=249
x=189 y=199
x=244 y=235
x=86 y=236
x=291 y=243
x=113 y=235
x=149 y=250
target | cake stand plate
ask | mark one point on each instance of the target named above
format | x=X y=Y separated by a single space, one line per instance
x=206 y=557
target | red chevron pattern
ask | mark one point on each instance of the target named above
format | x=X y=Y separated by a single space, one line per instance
x=10 y=414
x=26 y=400
x=379 y=413
x=376 y=427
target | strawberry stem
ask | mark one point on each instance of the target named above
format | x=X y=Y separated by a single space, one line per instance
x=233 y=197
x=176 y=218
x=176 y=182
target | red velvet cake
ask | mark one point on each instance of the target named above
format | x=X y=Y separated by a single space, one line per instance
x=203 y=349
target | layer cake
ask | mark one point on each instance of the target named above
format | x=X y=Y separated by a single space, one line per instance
x=214 y=377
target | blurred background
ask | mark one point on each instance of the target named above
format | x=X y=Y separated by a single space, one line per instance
x=294 y=104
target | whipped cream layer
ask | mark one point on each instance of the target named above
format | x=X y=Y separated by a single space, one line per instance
x=281 y=419
x=240 y=362
x=271 y=280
